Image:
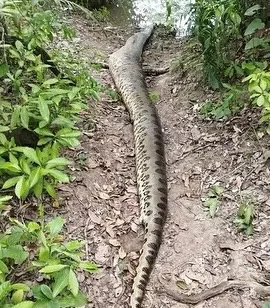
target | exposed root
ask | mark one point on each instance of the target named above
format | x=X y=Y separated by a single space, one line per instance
x=262 y=291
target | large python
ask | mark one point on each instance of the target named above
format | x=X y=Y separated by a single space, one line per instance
x=125 y=68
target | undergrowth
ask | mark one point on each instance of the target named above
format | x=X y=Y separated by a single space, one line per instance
x=40 y=107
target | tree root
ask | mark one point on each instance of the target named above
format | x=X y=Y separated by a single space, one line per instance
x=262 y=291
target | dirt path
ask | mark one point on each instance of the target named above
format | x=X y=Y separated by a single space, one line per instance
x=101 y=203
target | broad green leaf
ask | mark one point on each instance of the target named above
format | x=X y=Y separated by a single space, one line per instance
x=255 y=25
x=260 y=100
x=3 y=69
x=3 y=267
x=20 y=286
x=44 y=132
x=254 y=42
x=44 y=140
x=212 y=204
x=33 y=226
x=5 y=198
x=35 y=176
x=73 y=256
x=72 y=142
x=70 y=301
x=59 y=161
x=252 y=10
x=74 y=245
x=59 y=175
x=90 y=267
x=3 y=139
x=44 y=254
x=4 y=289
x=11 y=167
x=73 y=283
x=52 y=268
x=29 y=153
x=44 y=110
x=50 y=82
x=68 y=133
x=24 y=116
x=50 y=189
x=38 y=188
x=46 y=290
x=19 y=189
x=4 y=128
x=25 y=166
x=16 y=253
x=24 y=304
x=55 y=225
x=61 y=282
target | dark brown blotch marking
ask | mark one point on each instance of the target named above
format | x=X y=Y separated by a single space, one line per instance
x=147 y=270
x=141 y=286
x=157 y=232
x=153 y=246
x=159 y=171
x=145 y=277
x=158 y=220
x=164 y=199
x=149 y=259
x=162 y=206
x=160 y=152
x=159 y=163
x=162 y=181
x=162 y=190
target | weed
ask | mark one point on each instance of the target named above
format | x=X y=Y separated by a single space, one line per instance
x=39 y=246
x=245 y=216
x=212 y=199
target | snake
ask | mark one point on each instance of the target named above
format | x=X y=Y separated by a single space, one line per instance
x=126 y=70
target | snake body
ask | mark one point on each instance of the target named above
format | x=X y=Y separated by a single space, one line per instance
x=125 y=68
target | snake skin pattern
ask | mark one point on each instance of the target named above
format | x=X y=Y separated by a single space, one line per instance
x=149 y=149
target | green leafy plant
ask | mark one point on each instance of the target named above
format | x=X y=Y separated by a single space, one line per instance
x=212 y=199
x=41 y=250
x=245 y=215
x=216 y=25
x=259 y=89
x=39 y=108
x=231 y=102
x=35 y=170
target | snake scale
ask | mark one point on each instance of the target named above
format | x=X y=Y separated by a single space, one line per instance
x=124 y=65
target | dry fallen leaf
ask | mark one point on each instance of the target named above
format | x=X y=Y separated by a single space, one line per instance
x=96 y=219
x=104 y=196
x=122 y=253
x=114 y=242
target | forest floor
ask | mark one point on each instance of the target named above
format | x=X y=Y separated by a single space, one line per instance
x=198 y=251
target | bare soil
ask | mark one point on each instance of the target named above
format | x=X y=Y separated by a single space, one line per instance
x=198 y=252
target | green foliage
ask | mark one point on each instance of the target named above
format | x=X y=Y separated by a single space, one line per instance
x=36 y=101
x=154 y=96
x=215 y=24
x=212 y=199
x=228 y=105
x=245 y=216
x=218 y=26
x=42 y=253
x=259 y=90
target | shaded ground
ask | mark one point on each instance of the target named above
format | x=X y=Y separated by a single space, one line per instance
x=102 y=206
